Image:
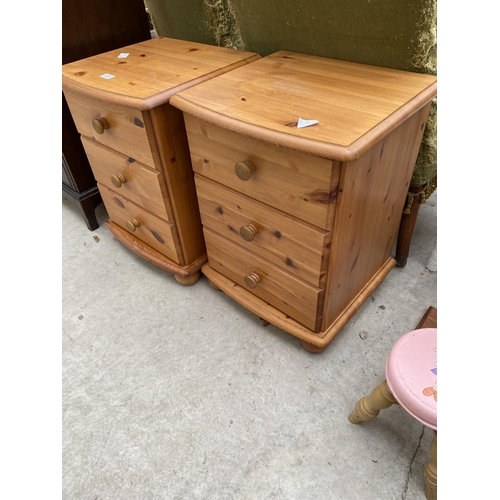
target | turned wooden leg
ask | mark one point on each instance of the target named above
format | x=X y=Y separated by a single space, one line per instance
x=191 y=279
x=311 y=347
x=369 y=407
x=430 y=472
x=406 y=227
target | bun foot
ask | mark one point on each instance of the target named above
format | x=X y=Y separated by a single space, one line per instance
x=191 y=279
x=312 y=348
x=213 y=285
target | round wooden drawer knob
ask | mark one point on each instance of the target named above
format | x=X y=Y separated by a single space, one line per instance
x=132 y=225
x=118 y=180
x=244 y=169
x=100 y=125
x=248 y=232
x=252 y=280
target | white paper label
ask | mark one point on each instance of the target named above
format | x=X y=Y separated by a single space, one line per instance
x=107 y=76
x=306 y=123
x=123 y=55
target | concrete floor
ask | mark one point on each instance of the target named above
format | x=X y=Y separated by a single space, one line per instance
x=179 y=393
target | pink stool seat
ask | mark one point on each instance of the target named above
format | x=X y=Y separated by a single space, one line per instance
x=411 y=373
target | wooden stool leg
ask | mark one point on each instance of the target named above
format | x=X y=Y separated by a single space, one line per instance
x=406 y=227
x=430 y=472
x=369 y=407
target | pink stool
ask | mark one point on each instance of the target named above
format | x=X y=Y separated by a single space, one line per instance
x=411 y=382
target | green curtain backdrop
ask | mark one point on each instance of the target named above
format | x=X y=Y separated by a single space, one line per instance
x=397 y=34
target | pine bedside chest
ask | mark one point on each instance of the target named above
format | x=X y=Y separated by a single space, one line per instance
x=136 y=143
x=300 y=222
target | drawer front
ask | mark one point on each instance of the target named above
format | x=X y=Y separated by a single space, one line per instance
x=130 y=178
x=156 y=232
x=292 y=245
x=296 y=183
x=294 y=297
x=127 y=132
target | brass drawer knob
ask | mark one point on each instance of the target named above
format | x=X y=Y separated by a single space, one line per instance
x=132 y=225
x=248 y=232
x=118 y=180
x=252 y=280
x=244 y=169
x=100 y=125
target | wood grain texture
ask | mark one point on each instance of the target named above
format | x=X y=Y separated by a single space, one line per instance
x=294 y=246
x=294 y=297
x=173 y=149
x=153 y=71
x=127 y=131
x=144 y=186
x=281 y=320
x=156 y=232
x=356 y=104
x=372 y=194
x=292 y=182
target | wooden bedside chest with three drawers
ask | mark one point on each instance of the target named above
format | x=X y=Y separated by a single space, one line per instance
x=300 y=223
x=136 y=143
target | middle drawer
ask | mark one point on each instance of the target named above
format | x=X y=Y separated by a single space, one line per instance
x=138 y=183
x=293 y=245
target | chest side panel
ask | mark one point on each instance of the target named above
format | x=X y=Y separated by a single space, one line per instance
x=370 y=203
x=173 y=149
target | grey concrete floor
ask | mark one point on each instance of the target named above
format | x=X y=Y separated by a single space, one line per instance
x=179 y=393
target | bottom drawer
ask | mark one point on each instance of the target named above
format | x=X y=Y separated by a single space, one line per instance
x=145 y=226
x=299 y=300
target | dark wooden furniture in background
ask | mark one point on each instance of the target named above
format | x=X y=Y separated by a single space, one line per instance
x=429 y=319
x=91 y=27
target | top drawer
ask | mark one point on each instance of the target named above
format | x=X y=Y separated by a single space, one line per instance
x=296 y=183
x=127 y=132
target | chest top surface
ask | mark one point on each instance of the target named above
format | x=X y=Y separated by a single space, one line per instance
x=355 y=104
x=148 y=73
